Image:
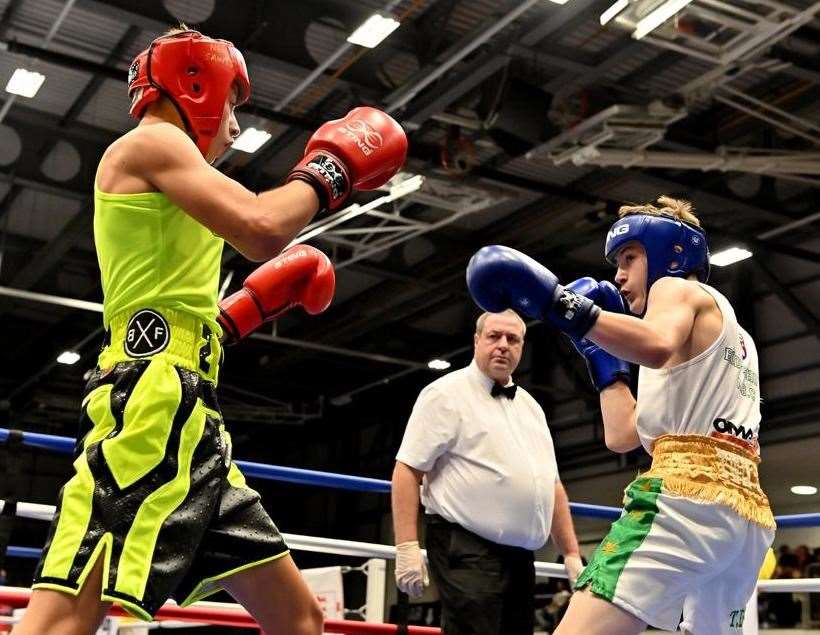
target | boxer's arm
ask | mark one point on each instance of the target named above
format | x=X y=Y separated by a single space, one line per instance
x=257 y=225
x=405 y=501
x=651 y=341
x=620 y=415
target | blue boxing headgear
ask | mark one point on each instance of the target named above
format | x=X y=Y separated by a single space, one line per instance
x=673 y=247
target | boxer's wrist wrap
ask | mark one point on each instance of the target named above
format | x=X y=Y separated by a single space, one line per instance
x=572 y=312
x=327 y=175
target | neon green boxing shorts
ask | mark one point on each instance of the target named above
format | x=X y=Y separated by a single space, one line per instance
x=154 y=492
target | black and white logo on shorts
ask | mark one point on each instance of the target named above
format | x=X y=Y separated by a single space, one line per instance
x=147 y=333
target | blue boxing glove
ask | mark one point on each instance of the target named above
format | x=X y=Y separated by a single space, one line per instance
x=604 y=368
x=501 y=278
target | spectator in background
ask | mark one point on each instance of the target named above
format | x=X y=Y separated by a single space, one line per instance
x=782 y=609
x=788 y=566
x=554 y=611
x=803 y=559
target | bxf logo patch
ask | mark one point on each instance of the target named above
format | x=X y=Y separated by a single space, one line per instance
x=147 y=333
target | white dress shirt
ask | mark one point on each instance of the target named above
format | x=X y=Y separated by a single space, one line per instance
x=489 y=461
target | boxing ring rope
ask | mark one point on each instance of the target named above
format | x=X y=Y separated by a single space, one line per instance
x=65 y=445
x=295 y=541
x=386 y=552
x=225 y=614
x=234 y=615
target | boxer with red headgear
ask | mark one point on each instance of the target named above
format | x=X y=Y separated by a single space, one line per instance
x=155 y=507
x=196 y=74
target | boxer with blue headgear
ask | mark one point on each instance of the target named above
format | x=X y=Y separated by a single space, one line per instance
x=674 y=246
x=697 y=525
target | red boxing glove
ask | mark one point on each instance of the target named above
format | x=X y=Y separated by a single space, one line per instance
x=299 y=276
x=360 y=152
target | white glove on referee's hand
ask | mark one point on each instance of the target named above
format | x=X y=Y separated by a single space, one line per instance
x=411 y=572
x=573 y=566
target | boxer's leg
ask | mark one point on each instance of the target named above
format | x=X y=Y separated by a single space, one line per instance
x=655 y=554
x=592 y=615
x=277 y=597
x=244 y=553
x=719 y=605
x=59 y=613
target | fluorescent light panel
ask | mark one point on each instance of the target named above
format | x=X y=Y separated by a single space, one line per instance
x=729 y=256
x=251 y=140
x=613 y=11
x=804 y=490
x=25 y=83
x=371 y=33
x=68 y=357
x=438 y=364
x=406 y=185
x=559 y=1
x=655 y=18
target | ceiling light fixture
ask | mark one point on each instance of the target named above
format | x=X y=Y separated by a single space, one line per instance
x=25 y=83
x=373 y=31
x=613 y=11
x=658 y=16
x=729 y=256
x=251 y=140
x=68 y=358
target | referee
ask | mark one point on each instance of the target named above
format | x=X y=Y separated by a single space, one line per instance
x=480 y=447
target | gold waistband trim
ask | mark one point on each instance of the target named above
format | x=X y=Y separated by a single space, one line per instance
x=713 y=470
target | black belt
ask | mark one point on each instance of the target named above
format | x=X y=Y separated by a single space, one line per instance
x=435 y=519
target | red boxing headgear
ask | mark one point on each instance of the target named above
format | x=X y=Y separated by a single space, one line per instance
x=196 y=73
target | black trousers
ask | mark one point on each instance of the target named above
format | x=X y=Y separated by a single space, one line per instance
x=485 y=588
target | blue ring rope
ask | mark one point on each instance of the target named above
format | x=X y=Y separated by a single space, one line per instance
x=65 y=445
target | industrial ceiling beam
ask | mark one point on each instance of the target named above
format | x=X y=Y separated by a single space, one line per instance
x=789 y=298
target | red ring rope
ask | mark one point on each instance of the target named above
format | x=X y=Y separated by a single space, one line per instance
x=231 y=615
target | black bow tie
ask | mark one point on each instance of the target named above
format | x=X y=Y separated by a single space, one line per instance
x=507 y=391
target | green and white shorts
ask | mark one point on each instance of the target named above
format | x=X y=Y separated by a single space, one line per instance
x=670 y=556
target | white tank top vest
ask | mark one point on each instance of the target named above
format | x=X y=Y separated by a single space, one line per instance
x=718 y=391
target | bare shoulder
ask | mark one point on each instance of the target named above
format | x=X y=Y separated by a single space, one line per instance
x=669 y=289
x=676 y=291
x=130 y=163
x=159 y=143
